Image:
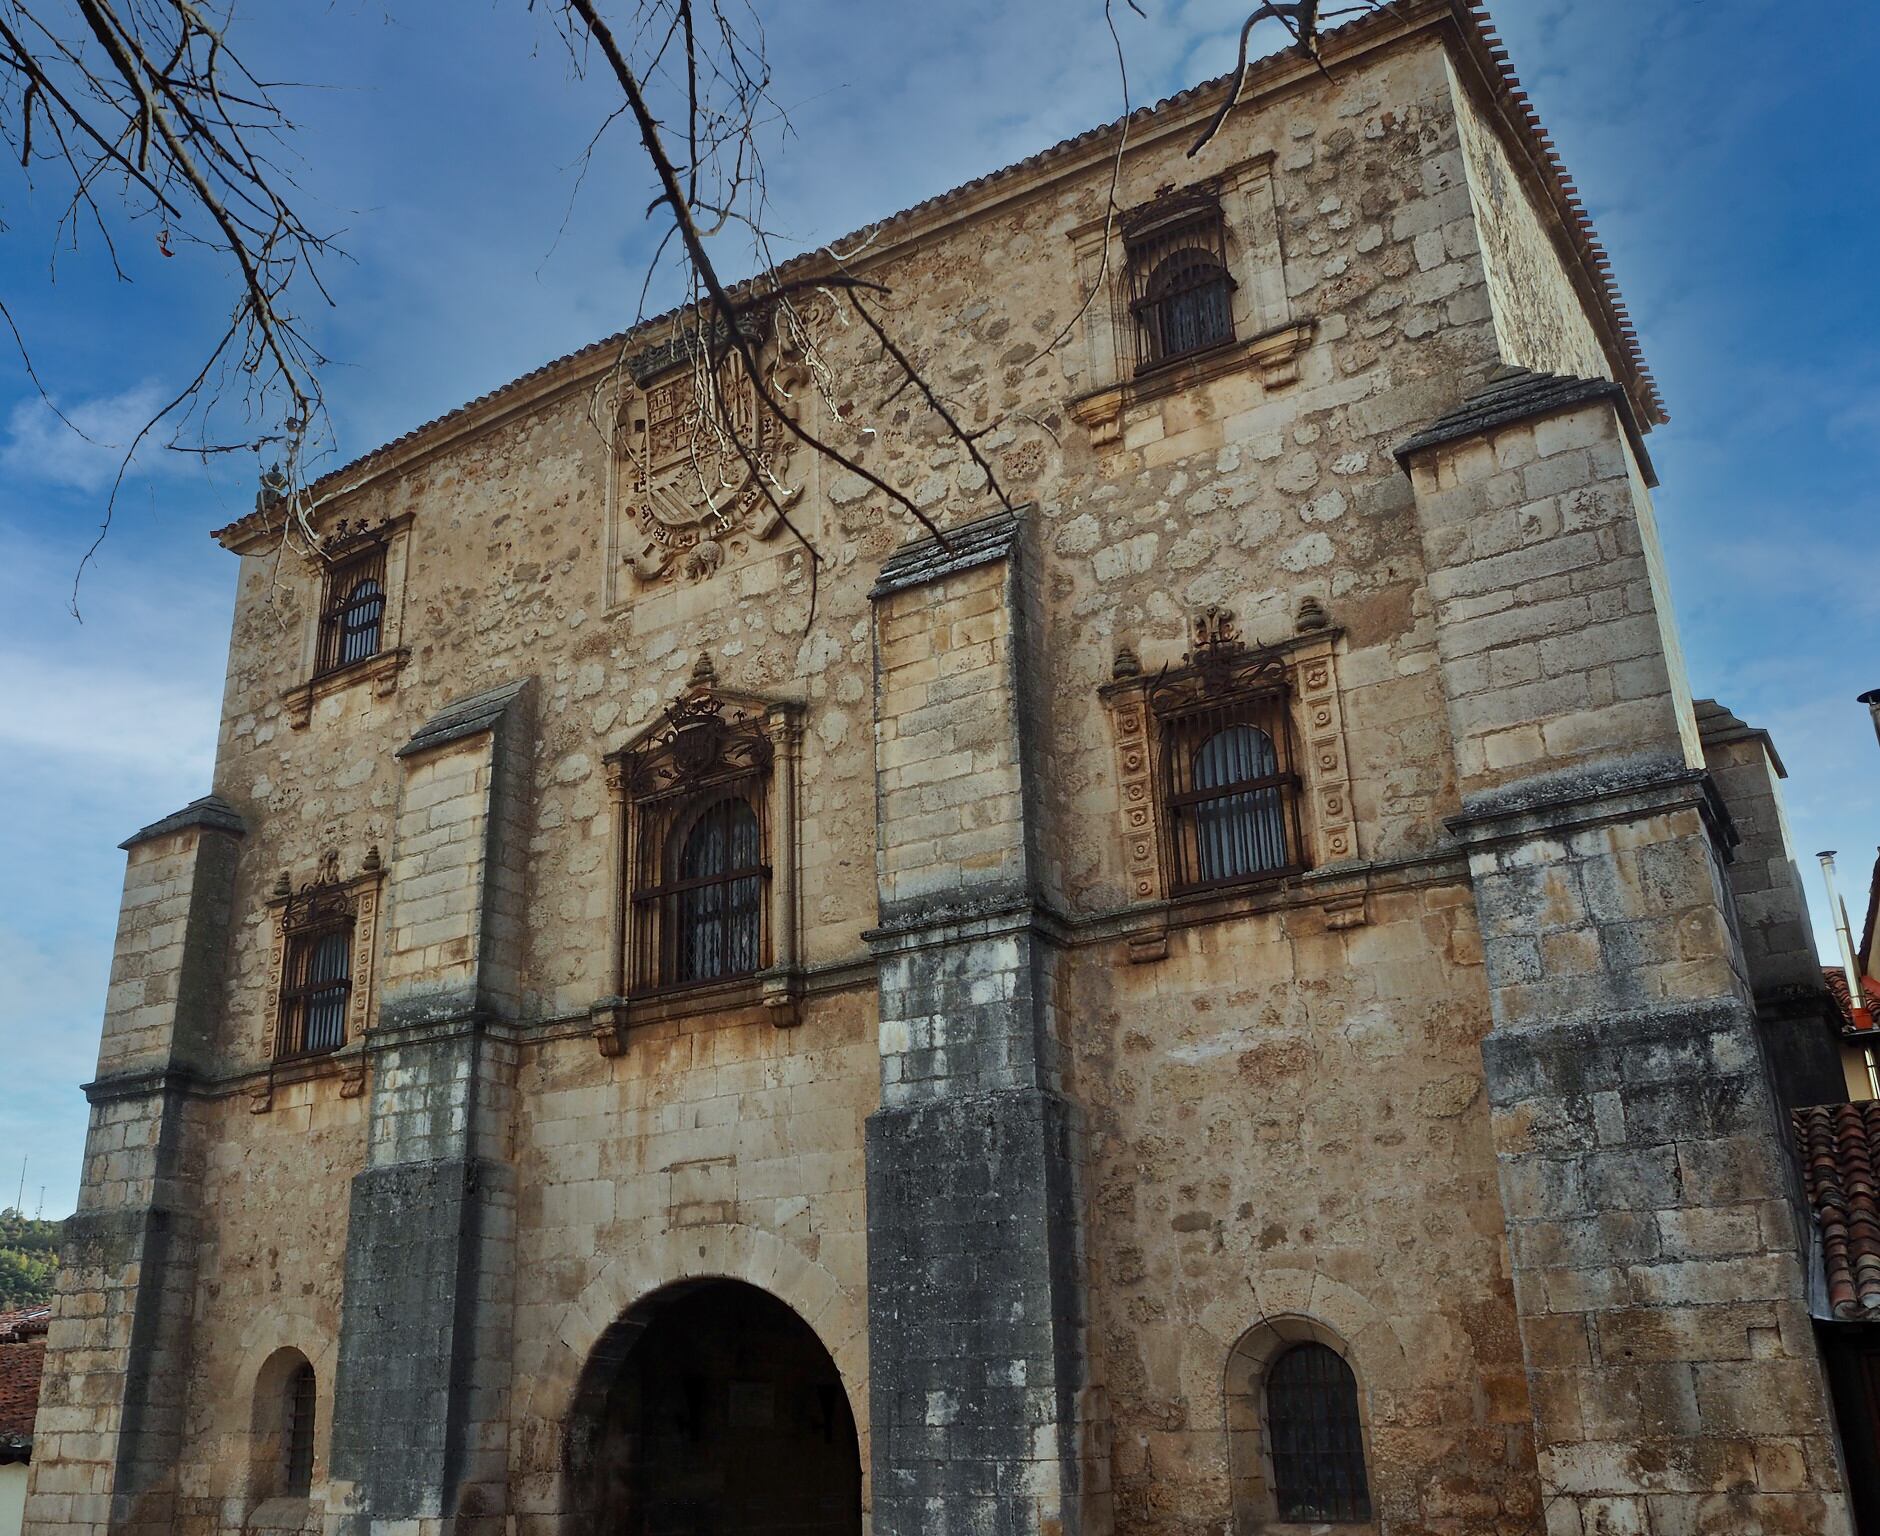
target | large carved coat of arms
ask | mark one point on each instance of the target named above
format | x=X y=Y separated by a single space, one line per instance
x=687 y=492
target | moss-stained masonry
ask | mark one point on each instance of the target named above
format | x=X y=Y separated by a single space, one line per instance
x=1051 y=1165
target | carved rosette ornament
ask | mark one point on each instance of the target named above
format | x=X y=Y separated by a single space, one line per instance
x=688 y=495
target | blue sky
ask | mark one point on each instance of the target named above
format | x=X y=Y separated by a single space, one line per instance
x=1725 y=153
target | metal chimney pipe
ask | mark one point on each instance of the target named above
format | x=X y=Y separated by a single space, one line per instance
x=1871 y=698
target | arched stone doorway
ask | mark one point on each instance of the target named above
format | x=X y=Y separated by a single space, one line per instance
x=712 y=1409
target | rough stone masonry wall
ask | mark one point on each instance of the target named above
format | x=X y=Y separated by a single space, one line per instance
x=1230 y=491
x=977 y=1290
x=111 y=1419
x=1657 y=1258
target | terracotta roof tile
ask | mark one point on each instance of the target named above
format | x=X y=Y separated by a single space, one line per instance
x=25 y=1323
x=1479 y=36
x=21 y=1366
x=1840 y=1145
x=1834 y=978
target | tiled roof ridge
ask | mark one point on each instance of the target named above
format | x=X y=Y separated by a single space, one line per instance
x=1837 y=1143
x=1474 y=24
x=1579 y=222
x=24 y=1323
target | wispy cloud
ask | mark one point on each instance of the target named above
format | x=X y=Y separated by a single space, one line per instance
x=85 y=450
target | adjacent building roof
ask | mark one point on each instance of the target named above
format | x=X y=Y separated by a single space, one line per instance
x=1717 y=726
x=1835 y=978
x=22 y=1363
x=1561 y=201
x=1839 y=1145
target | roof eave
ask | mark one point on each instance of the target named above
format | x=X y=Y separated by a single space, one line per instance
x=1463 y=20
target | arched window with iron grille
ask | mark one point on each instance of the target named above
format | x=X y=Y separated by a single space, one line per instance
x=1181 y=291
x=715 y=894
x=1230 y=791
x=297 y=1410
x=1316 y=1437
x=352 y=615
x=316 y=971
x=1240 y=827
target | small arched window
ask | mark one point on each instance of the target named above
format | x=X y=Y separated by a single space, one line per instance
x=359 y=621
x=297 y=1409
x=1316 y=1438
x=1240 y=824
x=716 y=893
x=1189 y=305
x=352 y=615
x=1180 y=290
x=316 y=987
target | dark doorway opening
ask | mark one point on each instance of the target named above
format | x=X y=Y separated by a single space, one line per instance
x=712 y=1409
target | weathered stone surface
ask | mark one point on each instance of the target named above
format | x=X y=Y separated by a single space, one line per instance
x=1475 y=1099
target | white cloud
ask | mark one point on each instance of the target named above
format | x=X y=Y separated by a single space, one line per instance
x=42 y=447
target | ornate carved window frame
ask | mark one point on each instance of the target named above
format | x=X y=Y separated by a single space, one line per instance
x=320 y=904
x=708 y=743
x=344 y=549
x=1302 y=673
x=1270 y=339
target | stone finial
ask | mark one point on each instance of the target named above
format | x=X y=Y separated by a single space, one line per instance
x=1127 y=663
x=283 y=884
x=372 y=863
x=704 y=675
x=273 y=487
x=1311 y=616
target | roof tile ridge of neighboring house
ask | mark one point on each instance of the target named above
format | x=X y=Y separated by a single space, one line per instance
x=1838 y=1144
x=1863 y=957
x=1480 y=36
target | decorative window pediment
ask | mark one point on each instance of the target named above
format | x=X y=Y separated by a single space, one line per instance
x=1231 y=765
x=706 y=798
x=320 y=968
x=355 y=631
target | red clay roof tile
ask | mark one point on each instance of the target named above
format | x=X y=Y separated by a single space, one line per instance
x=1840 y=1145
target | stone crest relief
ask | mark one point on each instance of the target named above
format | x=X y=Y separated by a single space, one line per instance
x=686 y=495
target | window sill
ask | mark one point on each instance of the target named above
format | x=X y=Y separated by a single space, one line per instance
x=381 y=669
x=772 y=997
x=346 y=1063
x=1274 y=355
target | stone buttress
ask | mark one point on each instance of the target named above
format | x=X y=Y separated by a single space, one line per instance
x=112 y=1406
x=421 y=1400
x=983 y=1416
x=1658 y=1265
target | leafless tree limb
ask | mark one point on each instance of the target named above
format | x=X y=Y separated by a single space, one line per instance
x=145 y=114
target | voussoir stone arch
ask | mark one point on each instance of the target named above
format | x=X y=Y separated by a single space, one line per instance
x=287 y=1323
x=723 y=1251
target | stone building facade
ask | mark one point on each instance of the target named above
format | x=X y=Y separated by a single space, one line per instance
x=1213 y=997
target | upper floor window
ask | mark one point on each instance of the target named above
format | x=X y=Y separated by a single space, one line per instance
x=1230 y=794
x=316 y=977
x=698 y=791
x=352 y=612
x=1316 y=1438
x=1181 y=293
x=716 y=893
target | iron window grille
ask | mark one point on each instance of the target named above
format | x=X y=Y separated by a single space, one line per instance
x=1316 y=1437
x=316 y=979
x=297 y=1434
x=1229 y=790
x=1181 y=293
x=699 y=873
x=352 y=611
